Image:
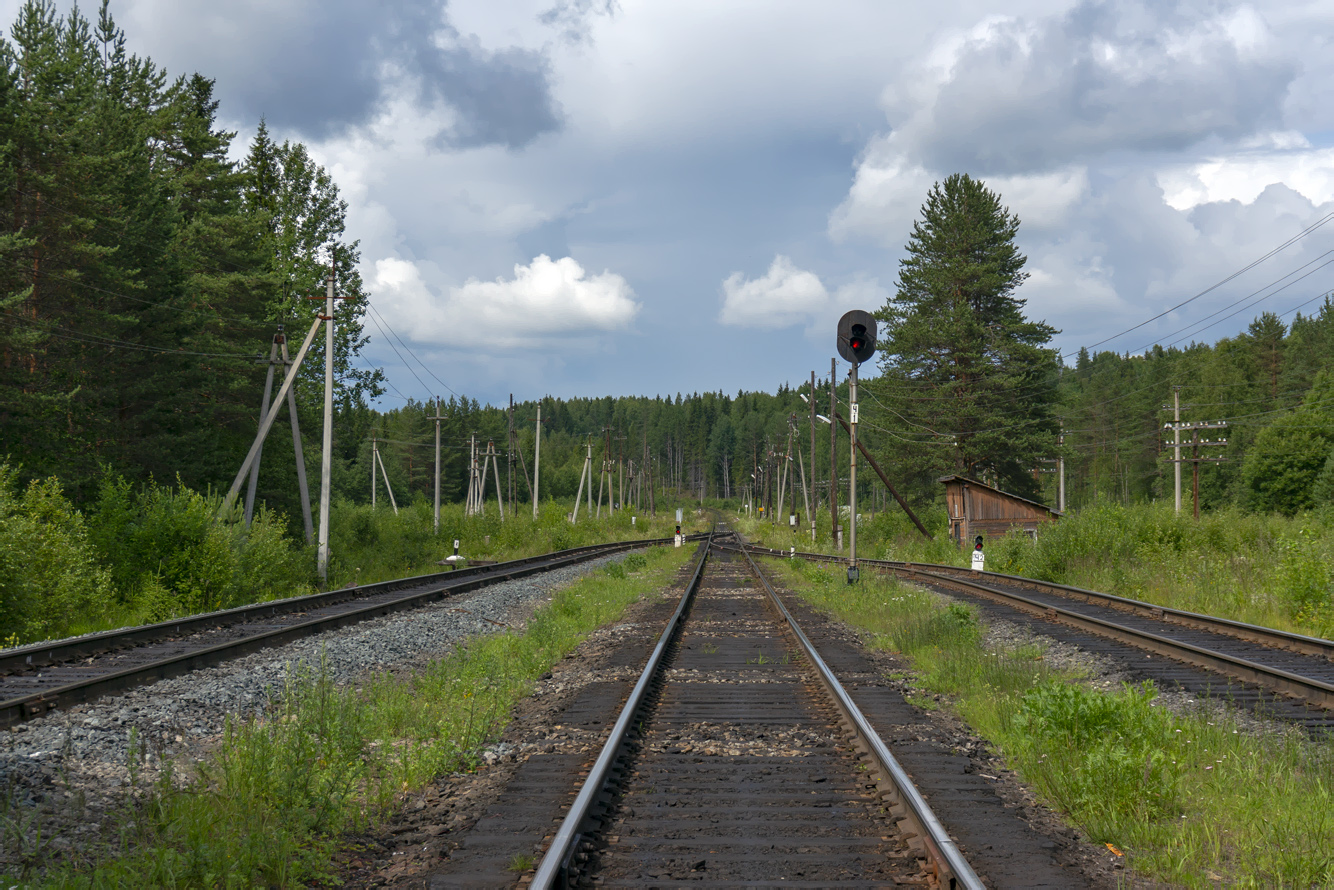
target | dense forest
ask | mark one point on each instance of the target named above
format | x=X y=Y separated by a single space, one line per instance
x=144 y=275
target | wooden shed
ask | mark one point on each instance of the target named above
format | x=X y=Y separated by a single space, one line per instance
x=976 y=508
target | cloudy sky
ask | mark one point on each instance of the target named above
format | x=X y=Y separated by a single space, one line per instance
x=582 y=197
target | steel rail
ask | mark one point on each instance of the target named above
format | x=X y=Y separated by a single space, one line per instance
x=27 y=707
x=49 y=652
x=554 y=868
x=1308 y=689
x=952 y=869
x=1254 y=633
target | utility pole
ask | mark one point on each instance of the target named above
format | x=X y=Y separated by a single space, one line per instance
x=495 y=465
x=263 y=413
x=509 y=452
x=298 y=451
x=834 y=537
x=1176 y=451
x=1196 y=444
x=437 y=464
x=810 y=512
x=326 y=453
x=537 y=456
x=1060 y=469
x=374 y=460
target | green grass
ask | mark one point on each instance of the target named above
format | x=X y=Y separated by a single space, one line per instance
x=1193 y=801
x=1266 y=569
x=269 y=805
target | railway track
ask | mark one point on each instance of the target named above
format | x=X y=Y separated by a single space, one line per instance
x=39 y=678
x=739 y=759
x=1290 y=676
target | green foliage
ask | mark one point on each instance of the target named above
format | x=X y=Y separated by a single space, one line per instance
x=967 y=376
x=170 y=556
x=1281 y=470
x=49 y=571
x=1109 y=765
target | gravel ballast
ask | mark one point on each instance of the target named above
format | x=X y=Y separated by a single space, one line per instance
x=60 y=771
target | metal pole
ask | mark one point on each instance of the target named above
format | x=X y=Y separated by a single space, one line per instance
x=809 y=511
x=1176 y=445
x=437 y=465
x=263 y=412
x=537 y=457
x=326 y=455
x=852 y=473
x=833 y=453
x=300 y=453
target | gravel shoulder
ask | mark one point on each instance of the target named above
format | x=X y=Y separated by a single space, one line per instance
x=62 y=773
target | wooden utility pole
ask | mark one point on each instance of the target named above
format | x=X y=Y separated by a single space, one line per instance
x=283 y=392
x=300 y=453
x=263 y=412
x=1196 y=444
x=834 y=539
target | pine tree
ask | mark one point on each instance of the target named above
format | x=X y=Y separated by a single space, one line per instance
x=968 y=380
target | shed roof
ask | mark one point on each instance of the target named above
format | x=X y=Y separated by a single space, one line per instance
x=957 y=478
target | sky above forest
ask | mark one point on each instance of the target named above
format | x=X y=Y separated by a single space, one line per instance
x=589 y=197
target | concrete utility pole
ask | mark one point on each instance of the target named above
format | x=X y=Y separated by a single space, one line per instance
x=326 y=453
x=374 y=459
x=1060 y=469
x=509 y=452
x=1176 y=441
x=587 y=471
x=809 y=511
x=537 y=457
x=437 y=464
x=834 y=537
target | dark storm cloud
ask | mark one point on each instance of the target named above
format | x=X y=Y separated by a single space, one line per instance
x=1106 y=76
x=318 y=68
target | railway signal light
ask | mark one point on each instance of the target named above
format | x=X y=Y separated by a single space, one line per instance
x=856 y=336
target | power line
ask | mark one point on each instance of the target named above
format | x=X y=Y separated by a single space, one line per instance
x=1288 y=243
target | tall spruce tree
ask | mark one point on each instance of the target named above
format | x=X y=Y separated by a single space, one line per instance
x=968 y=381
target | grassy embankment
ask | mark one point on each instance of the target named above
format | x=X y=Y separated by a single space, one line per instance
x=268 y=806
x=139 y=555
x=1264 y=569
x=1190 y=800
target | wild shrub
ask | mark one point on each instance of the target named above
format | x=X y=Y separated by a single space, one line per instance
x=169 y=555
x=49 y=571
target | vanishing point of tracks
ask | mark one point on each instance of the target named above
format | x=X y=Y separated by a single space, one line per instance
x=739 y=759
x=46 y=676
x=1284 y=675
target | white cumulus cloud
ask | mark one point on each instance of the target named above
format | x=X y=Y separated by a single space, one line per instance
x=783 y=296
x=547 y=303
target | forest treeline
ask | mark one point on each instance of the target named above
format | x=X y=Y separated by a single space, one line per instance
x=143 y=275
